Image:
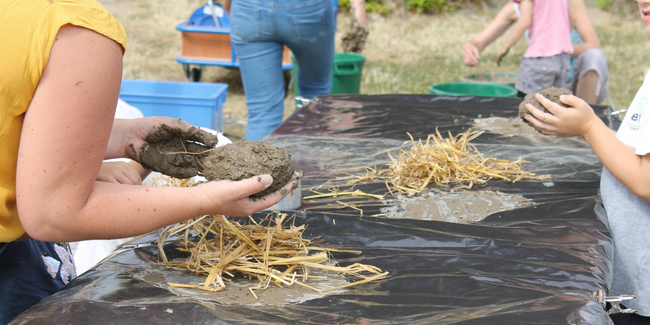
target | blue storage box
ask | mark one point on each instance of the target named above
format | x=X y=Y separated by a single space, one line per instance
x=198 y=103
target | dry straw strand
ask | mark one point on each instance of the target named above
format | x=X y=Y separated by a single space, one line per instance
x=444 y=161
x=275 y=254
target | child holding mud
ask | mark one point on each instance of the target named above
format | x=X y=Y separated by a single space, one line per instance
x=625 y=181
x=546 y=61
x=61 y=70
x=589 y=74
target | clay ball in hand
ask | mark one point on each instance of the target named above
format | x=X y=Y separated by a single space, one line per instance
x=244 y=159
x=553 y=94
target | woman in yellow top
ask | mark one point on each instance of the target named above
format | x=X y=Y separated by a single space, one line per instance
x=61 y=69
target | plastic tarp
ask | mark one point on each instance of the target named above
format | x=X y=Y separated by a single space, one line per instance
x=537 y=263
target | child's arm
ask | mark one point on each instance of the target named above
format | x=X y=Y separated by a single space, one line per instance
x=580 y=20
x=122 y=172
x=503 y=20
x=526 y=8
x=630 y=169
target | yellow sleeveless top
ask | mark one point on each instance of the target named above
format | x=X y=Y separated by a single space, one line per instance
x=28 y=31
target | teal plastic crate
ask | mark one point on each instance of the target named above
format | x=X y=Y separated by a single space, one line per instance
x=198 y=103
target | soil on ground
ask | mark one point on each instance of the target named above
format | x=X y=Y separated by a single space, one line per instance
x=244 y=159
x=553 y=94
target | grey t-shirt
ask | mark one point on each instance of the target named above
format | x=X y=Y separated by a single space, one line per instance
x=629 y=221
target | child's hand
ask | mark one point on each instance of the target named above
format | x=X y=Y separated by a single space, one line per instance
x=471 y=55
x=119 y=172
x=502 y=53
x=564 y=122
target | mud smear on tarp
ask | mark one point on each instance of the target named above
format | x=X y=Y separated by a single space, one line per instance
x=453 y=206
x=236 y=291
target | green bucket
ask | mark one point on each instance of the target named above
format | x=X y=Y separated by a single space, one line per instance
x=472 y=89
x=503 y=78
x=346 y=73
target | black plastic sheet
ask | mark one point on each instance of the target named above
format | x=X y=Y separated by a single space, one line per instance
x=534 y=264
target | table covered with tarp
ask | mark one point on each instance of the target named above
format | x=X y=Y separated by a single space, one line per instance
x=534 y=263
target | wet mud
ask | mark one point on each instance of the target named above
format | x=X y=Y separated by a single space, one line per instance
x=175 y=152
x=354 y=40
x=464 y=207
x=553 y=94
x=244 y=159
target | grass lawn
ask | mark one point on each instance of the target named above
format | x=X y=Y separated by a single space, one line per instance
x=403 y=56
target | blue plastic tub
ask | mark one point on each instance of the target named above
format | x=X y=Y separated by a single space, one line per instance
x=198 y=103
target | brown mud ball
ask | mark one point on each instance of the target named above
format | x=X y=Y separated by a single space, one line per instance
x=354 y=40
x=553 y=94
x=175 y=152
x=244 y=159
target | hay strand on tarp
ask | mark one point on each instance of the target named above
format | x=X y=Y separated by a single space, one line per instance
x=444 y=162
x=272 y=251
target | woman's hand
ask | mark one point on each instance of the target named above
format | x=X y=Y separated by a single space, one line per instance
x=167 y=145
x=232 y=198
x=565 y=122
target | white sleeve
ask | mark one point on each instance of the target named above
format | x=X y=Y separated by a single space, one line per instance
x=635 y=128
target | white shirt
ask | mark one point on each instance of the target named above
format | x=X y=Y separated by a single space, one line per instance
x=635 y=128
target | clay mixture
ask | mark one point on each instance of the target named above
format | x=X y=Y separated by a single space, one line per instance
x=456 y=206
x=237 y=292
x=505 y=125
x=245 y=159
x=180 y=154
x=553 y=94
x=174 y=152
x=354 y=40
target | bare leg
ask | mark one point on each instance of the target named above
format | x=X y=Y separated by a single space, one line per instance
x=586 y=87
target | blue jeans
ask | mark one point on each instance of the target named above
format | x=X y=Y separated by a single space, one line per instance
x=259 y=29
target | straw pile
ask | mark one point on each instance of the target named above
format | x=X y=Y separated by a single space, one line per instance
x=271 y=251
x=443 y=162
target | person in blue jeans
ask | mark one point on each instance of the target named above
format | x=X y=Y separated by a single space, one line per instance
x=259 y=30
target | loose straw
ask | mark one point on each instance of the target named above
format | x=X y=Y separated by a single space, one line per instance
x=443 y=162
x=272 y=251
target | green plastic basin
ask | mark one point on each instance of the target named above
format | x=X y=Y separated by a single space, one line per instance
x=472 y=89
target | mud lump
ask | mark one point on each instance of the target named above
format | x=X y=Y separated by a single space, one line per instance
x=244 y=159
x=553 y=94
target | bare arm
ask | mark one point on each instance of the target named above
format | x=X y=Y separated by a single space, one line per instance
x=503 y=20
x=580 y=120
x=526 y=7
x=64 y=140
x=580 y=20
x=359 y=7
x=226 y=6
